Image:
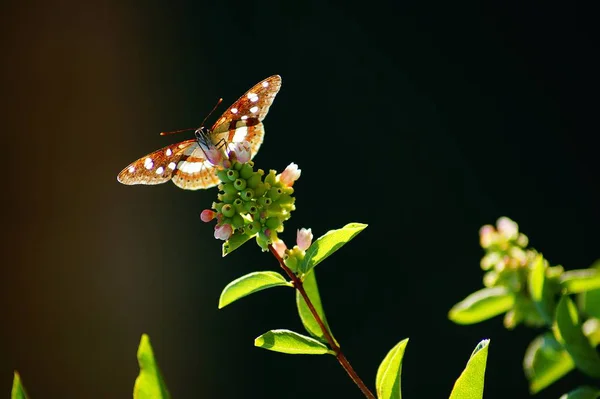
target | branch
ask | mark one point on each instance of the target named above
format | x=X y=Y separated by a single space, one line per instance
x=338 y=351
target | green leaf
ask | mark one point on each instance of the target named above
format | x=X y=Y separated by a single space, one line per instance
x=249 y=284
x=328 y=243
x=18 y=391
x=310 y=324
x=286 y=341
x=234 y=242
x=590 y=303
x=149 y=383
x=389 y=372
x=582 y=393
x=482 y=305
x=545 y=362
x=470 y=383
x=576 y=281
x=567 y=330
x=538 y=288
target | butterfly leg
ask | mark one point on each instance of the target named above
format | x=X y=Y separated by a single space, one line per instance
x=221 y=143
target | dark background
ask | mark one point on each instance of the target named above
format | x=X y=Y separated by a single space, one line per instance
x=423 y=119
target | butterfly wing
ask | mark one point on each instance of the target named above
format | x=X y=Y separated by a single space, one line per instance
x=184 y=163
x=242 y=120
x=157 y=167
x=194 y=171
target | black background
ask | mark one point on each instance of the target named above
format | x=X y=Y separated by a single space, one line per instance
x=423 y=119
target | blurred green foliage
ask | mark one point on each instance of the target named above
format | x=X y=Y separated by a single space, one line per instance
x=521 y=284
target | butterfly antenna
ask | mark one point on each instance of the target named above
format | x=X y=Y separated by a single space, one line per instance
x=193 y=128
x=213 y=110
x=176 y=131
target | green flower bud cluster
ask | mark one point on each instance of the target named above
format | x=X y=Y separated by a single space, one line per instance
x=254 y=204
x=508 y=262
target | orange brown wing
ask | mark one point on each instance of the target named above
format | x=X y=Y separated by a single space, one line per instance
x=242 y=120
x=194 y=171
x=157 y=167
x=185 y=162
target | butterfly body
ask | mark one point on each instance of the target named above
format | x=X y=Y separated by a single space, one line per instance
x=187 y=164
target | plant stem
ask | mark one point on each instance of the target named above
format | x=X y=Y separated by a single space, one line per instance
x=334 y=346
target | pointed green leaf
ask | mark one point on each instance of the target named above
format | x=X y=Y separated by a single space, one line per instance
x=545 y=362
x=249 y=284
x=582 y=393
x=538 y=288
x=234 y=242
x=387 y=381
x=149 y=384
x=576 y=281
x=310 y=323
x=18 y=391
x=470 y=383
x=328 y=244
x=482 y=305
x=568 y=331
x=286 y=341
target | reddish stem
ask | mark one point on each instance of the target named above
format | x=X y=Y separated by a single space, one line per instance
x=334 y=346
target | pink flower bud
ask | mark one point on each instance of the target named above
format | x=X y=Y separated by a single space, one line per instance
x=214 y=155
x=223 y=232
x=487 y=234
x=226 y=163
x=290 y=175
x=241 y=151
x=207 y=215
x=280 y=247
x=508 y=228
x=304 y=239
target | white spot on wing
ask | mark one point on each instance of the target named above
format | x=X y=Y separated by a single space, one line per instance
x=253 y=97
x=190 y=167
x=254 y=109
x=148 y=164
x=168 y=152
x=244 y=117
x=160 y=170
x=131 y=169
x=234 y=110
x=240 y=134
x=265 y=84
x=172 y=165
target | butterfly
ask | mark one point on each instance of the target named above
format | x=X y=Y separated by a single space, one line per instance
x=186 y=163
